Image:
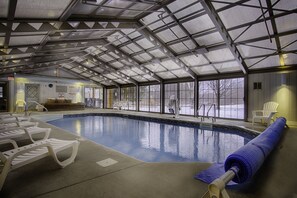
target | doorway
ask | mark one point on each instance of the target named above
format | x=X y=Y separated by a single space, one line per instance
x=31 y=94
x=3 y=96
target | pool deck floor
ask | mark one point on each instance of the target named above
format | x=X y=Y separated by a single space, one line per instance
x=131 y=178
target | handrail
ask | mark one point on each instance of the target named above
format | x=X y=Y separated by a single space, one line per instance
x=214 y=111
x=203 y=115
x=38 y=104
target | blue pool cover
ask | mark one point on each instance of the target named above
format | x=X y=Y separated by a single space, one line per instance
x=249 y=157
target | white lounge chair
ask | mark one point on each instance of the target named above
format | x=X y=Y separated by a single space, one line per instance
x=22 y=133
x=14 y=119
x=265 y=115
x=11 y=125
x=21 y=156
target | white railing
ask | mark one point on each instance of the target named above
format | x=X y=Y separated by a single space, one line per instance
x=38 y=104
x=214 y=112
x=203 y=112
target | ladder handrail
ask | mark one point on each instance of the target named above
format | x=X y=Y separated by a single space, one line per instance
x=203 y=108
x=37 y=104
x=214 y=110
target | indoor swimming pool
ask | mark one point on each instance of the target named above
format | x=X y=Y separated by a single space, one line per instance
x=151 y=141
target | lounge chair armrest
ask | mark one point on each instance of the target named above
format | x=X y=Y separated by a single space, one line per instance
x=255 y=112
x=46 y=134
x=9 y=141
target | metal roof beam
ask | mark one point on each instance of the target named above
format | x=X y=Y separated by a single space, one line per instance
x=77 y=64
x=64 y=26
x=111 y=68
x=127 y=57
x=153 y=39
x=215 y=18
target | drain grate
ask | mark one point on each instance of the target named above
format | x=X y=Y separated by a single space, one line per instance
x=107 y=162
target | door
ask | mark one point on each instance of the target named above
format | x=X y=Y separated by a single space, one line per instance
x=31 y=94
x=3 y=97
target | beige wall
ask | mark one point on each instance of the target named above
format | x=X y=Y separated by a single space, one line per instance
x=278 y=87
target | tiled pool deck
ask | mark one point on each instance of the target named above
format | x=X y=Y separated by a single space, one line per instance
x=133 y=178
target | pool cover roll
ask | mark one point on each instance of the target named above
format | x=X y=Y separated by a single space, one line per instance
x=251 y=156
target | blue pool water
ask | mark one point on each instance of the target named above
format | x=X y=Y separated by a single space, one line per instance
x=155 y=142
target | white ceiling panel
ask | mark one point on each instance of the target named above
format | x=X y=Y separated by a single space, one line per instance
x=106 y=57
x=194 y=60
x=291 y=59
x=204 y=70
x=81 y=8
x=144 y=57
x=127 y=50
x=288 y=42
x=286 y=23
x=232 y=66
x=117 y=64
x=117 y=38
x=77 y=70
x=47 y=9
x=252 y=50
x=139 y=78
x=2 y=41
x=177 y=5
x=209 y=39
x=138 y=71
x=157 y=53
x=203 y=21
x=3 y=8
x=267 y=62
x=255 y=31
x=155 y=20
x=129 y=72
x=133 y=47
x=131 y=33
x=25 y=40
x=238 y=15
x=166 y=35
x=183 y=46
x=220 y=55
x=286 y=5
x=169 y=64
x=180 y=73
x=155 y=67
x=144 y=43
x=166 y=75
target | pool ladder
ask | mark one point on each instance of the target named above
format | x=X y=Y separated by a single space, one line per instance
x=203 y=116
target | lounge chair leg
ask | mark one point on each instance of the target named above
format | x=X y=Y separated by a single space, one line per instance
x=67 y=161
x=4 y=173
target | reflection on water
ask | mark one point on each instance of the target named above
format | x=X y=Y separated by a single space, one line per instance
x=155 y=142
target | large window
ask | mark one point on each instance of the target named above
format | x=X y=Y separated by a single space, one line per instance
x=170 y=91
x=112 y=97
x=155 y=98
x=94 y=97
x=231 y=98
x=128 y=95
x=149 y=98
x=227 y=96
x=186 y=98
x=208 y=97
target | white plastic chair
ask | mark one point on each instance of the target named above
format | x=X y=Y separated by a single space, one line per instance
x=22 y=133
x=266 y=115
x=14 y=119
x=20 y=105
x=12 y=125
x=21 y=156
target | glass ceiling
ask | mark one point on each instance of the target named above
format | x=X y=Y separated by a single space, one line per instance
x=128 y=42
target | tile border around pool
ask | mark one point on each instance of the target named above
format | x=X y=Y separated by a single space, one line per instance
x=168 y=121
